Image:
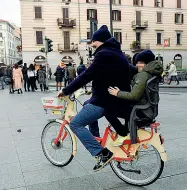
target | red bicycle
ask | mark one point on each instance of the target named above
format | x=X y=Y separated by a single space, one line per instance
x=137 y=164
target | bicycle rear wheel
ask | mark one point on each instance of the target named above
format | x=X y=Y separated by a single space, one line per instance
x=144 y=170
x=60 y=154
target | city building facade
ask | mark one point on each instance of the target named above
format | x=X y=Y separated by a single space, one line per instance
x=159 y=25
x=9 y=44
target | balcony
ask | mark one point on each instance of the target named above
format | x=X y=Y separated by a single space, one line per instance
x=66 y=23
x=67 y=48
x=137 y=47
x=139 y=25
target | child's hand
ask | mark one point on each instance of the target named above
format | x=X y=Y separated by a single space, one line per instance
x=113 y=91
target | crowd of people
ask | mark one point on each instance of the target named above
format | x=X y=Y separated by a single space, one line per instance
x=26 y=77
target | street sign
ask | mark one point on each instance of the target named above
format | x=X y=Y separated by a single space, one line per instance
x=167 y=42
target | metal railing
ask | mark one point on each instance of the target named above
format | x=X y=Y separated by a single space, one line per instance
x=66 y=22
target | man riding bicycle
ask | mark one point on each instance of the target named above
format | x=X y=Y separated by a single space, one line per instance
x=109 y=68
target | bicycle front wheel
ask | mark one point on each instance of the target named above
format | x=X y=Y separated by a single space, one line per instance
x=144 y=170
x=60 y=154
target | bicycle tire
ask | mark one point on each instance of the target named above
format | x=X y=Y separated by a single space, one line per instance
x=56 y=163
x=131 y=182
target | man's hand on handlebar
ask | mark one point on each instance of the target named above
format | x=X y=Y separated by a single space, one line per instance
x=60 y=94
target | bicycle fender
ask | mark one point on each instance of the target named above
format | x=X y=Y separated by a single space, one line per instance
x=154 y=141
x=73 y=137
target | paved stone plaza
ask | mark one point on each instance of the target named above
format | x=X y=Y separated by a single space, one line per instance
x=23 y=165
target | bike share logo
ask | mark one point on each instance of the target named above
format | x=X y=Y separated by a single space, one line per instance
x=48 y=101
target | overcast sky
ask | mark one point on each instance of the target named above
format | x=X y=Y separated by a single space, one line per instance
x=10 y=10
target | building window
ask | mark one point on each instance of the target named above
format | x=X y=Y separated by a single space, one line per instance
x=179 y=18
x=179 y=4
x=116 y=15
x=1 y=43
x=159 y=3
x=1 y=35
x=66 y=40
x=159 y=38
x=38 y=12
x=138 y=2
x=91 y=1
x=118 y=37
x=116 y=2
x=39 y=37
x=1 y=27
x=159 y=17
x=178 y=38
x=91 y=13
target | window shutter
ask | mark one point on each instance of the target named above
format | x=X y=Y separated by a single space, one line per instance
x=179 y=4
x=141 y=2
x=120 y=37
x=95 y=14
x=182 y=21
x=95 y=1
x=119 y=15
x=88 y=15
x=162 y=3
x=120 y=2
x=159 y=17
x=88 y=35
x=175 y=17
x=112 y=15
x=155 y=3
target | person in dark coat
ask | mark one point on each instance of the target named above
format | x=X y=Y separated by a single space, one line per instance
x=109 y=68
x=41 y=73
x=81 y=68
x=59 y=74
x=25 y=76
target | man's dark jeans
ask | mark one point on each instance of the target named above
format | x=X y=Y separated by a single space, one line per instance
x=94 y=127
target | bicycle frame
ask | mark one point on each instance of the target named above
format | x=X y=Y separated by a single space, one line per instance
x=126 y=152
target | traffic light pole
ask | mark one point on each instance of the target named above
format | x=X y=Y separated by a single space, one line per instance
x=47 y=85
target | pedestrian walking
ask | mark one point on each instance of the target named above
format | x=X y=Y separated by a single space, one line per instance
x=50 y=73
x=9 y=73
x=31 y=77
x=17 y=78
x=71 y=73
x=59 y=74
x=25 y=76
x=173 y=73
x=41 y=73
x=2 y=78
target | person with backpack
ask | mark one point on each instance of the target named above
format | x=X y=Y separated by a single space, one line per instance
x=59 y=75
x=147 y=67
x=25 y=76
x=41 y=73
x=81 y=68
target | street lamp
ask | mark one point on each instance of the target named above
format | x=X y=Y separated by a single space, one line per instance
x=111 y=24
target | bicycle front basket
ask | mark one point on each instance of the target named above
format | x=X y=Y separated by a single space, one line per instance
x=52 y=103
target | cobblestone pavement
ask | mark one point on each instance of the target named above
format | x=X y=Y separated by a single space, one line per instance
x=23 y=165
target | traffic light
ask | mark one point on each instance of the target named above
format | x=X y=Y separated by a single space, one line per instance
x=48 y=45
x=42 y=50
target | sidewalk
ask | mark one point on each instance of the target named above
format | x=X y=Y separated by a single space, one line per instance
x=23 y=165
x=183 y=84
